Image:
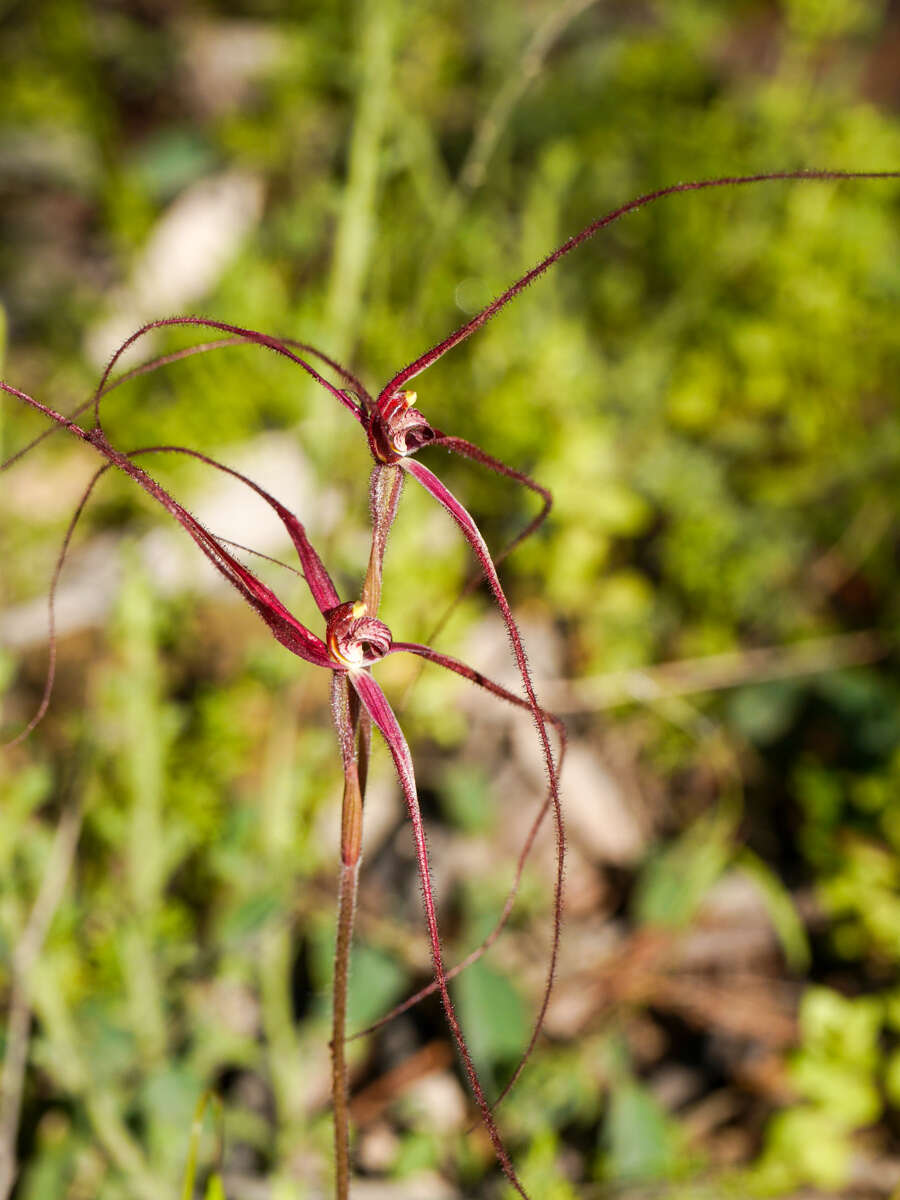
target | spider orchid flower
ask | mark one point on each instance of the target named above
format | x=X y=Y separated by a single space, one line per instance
x=397 y=430
x=409 y=433
x=354 y=641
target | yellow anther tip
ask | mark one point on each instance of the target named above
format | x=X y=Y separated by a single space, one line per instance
x=359 y=609
x=409 y=399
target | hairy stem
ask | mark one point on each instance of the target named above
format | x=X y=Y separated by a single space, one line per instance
x=385 y=487
x=354 y=743
x=340 y=1096
x=402 y=378
x=383 y=717
x=473 y=536
x=453 y=664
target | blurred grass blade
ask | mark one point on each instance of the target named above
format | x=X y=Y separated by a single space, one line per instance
x=780 y=908
x=214 y=1189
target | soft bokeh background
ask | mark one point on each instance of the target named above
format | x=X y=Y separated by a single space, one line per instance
x=710 y=391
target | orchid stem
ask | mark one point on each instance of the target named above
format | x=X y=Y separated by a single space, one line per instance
x=354 y=732
x=354 y=735
x=341 y=1101
x=385 y=487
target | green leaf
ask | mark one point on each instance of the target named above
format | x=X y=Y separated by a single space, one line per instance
x=642 y=1142
x=256 y=911
x=840 y=1029
x=848 y=1095
x=492 y=1014
x=465 y=798
x=540 y=1170
x=780 y=907
x=892 y=1078
x=376 y=982
x=170 y=160
x=673 y=883
x=804 y=1145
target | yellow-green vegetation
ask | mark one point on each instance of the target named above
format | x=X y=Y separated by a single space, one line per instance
x=709 y=389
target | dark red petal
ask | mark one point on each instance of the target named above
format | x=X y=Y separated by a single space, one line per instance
x=375 y=702
x=249 y=335
x=317 y=577
x=473 y=535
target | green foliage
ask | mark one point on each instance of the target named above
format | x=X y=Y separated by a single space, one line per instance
x=466 y=798
x=850 y=835
x=779 y=903
x=641 y=1140
x=674 y=883
x=540 y=1170
x=837 y=1075
x=491 y=1008
x=709 y=391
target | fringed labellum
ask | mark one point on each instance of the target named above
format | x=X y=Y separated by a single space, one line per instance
x=396 y=428
x=355 y=639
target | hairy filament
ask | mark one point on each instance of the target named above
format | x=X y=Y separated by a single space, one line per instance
x=399 y=381
x=382 y=715
x=471 y=532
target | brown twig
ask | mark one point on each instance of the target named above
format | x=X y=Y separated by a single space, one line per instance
x=715 y=672
x=371 y=1102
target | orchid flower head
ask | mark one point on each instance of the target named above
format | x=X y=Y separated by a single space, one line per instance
x=355 y=639
x=396 y=428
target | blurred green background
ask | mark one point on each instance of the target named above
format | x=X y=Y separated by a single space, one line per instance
x=709 y=389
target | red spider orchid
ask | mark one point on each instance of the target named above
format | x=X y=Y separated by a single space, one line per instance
x=355 y=639
x=408 y=433
x=397 y=431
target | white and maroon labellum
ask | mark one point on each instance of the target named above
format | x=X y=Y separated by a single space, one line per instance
x=397 y=429
x=354 y=638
